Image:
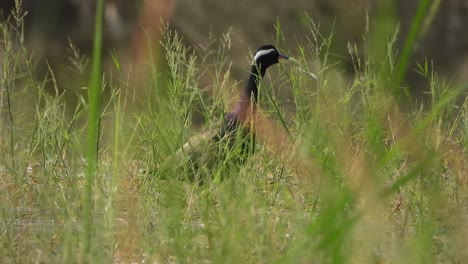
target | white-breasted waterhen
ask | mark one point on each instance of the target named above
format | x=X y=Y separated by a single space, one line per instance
x=235 y=140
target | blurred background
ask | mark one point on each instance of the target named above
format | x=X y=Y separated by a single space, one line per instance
x=130 y=26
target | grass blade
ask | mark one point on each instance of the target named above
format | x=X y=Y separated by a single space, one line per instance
x=93 y=130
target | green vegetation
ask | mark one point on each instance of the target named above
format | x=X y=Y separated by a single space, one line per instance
x=342 y=173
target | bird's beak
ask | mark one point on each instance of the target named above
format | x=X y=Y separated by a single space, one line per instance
x=283 y=57
x=291 y=60
x=296 y=63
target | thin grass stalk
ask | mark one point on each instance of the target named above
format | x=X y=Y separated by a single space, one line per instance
x=94 y=93
x=11 y=120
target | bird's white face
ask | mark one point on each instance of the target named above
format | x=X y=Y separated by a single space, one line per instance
x=262 y=53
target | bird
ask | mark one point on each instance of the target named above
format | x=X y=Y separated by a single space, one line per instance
x=234 y=141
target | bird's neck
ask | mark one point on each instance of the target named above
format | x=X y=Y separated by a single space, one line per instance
x=249 y=97
x=251 y=89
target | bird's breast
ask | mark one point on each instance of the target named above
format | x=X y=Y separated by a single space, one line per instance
x=244 y=113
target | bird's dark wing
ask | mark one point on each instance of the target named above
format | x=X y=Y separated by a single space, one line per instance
x=235 y=138
x=228 y=129
x=202 y=153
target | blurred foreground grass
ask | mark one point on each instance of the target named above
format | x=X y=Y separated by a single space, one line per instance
x=349 y=176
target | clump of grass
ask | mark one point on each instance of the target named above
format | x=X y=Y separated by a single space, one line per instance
x=342 y=173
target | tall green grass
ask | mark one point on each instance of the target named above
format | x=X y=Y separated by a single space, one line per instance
x=93 y=131
x=341 y=172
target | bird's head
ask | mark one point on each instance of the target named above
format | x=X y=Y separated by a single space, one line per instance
x=266 y=56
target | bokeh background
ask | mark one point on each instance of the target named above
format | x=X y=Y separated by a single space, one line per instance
x=131 y=25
